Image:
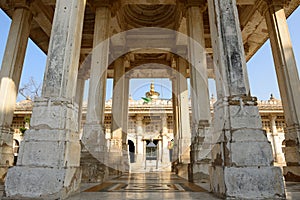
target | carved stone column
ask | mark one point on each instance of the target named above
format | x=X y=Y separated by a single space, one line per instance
x=198 y=65
x=288 y=82
x=277 y=144
x=176 y=150
x=119 y=147
x=10 y=75
x=201 y=116
x=242 y=161
x=139 y=136
x=125 y=150
x=118 y=105
x=164 y=132
x=49 y=158
x=93 y=136
x=79 y=99
x=184 y=116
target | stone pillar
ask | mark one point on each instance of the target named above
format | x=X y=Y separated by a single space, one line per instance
x=277 y=144
x=49 y=158
x=184 y=116
x=201 y=116
x=288 y=82
x=117 y=105
x=94 y=132
x=119 y=147
x=139 y=136
x=10 y=75
x=79 y=99
x=176 y=150
x=198 y=65
x=125 y=147
x=242 y=161
x=164 y=132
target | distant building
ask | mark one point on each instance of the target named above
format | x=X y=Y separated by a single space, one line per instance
x=154 y=121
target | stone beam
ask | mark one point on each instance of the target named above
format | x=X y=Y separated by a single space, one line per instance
x=245 y=2
x=42 y=15
x=49 y=2
x=151 y=2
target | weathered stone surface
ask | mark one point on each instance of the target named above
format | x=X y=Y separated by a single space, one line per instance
x=52 y=113
x=251 y=183
x=244 y=116
x=53 y=182
x=248 y=183
x=93 y=171
x=51 y=135
x=37 y=154
x=249 y=135
x=250 y=153
x=200 y=171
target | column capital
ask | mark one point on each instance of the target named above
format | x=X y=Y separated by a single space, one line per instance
x=263 y=5
x=202 y=4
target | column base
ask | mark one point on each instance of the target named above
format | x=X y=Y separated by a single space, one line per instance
x=6 y=151
x=291 y=173
x=242 y=158
x=247 y=182
x=182 y=170
x=201 y=153
x=200 y=172
x=93 y=171
x=49 y=156
x=93 y=139
x=53 y=183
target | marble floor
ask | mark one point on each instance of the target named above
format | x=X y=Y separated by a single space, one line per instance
x=156 y=186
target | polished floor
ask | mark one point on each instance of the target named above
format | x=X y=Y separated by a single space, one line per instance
x=156 y=186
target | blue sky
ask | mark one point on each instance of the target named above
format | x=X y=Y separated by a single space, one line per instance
x=261 y=69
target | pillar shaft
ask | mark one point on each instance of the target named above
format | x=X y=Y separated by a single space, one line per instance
x=198 y=67
x=79 y=99
x=241 y=156
x=139 y=135
x=176 y=147
x=54 y=118
x=10 y=75
x=229 y=61
x=126 y=159
x=97 y=85
x=288 y=82
x=199 y=91
x=125 y=109
x=93 y=136
x=118 y=102
x=117 y=145
x=184 y=116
